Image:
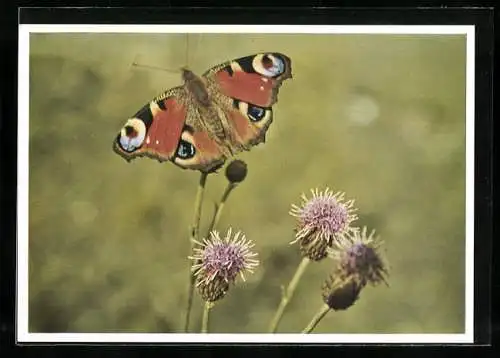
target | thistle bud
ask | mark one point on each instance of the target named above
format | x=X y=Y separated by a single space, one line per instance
x=236 y=171
x=340 y=292
x=313 y=248
x=212 y=290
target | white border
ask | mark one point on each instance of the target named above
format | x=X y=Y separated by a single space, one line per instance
x=23 y=336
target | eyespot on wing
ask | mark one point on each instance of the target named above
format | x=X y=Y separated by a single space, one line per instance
x=198 y=151
x=254 y=79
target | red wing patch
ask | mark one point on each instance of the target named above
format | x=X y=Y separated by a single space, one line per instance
x=247 y=87
x=253 y=79
x=163 y=136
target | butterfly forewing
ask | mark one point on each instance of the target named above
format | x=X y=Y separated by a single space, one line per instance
x=253 y=79
x=155 y=129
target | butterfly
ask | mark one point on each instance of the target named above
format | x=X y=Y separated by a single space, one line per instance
x=209 y=118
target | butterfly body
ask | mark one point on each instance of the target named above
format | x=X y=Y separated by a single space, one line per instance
x=196 y=86
x=209 y=118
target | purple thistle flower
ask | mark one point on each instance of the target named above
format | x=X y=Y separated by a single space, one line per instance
x=325 y=214
x=358 y=254
x=223 y=258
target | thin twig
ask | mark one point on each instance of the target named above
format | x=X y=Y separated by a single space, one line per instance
x=194 y=236
x=220 y=207
x=287 y=294
x=317 y=318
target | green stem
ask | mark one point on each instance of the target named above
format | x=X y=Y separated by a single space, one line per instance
x=194 y=236
x=287 y=294
x=204 y=320
x=220 y=206
x=317 y=317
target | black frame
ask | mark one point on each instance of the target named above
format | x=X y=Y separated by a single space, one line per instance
x=483 y=19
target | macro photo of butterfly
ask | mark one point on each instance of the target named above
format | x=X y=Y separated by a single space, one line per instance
x=206 y=120
x=246 y=181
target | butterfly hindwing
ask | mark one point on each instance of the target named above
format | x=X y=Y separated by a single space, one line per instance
x=249 y=122
x=198 y=151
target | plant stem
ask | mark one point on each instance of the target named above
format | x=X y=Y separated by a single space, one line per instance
x=317 y=317
x=204 y=320
x=220 y=206
x=287 y=294
x=194 y=236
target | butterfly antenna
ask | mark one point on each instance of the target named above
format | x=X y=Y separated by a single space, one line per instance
x=187 y=50
x=135 y=64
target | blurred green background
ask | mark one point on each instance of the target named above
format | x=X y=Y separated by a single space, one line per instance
x=381 y=117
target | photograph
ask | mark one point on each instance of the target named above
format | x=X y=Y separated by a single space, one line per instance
x=237 y=183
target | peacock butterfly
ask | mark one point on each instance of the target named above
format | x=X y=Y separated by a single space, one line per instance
x=200 y=124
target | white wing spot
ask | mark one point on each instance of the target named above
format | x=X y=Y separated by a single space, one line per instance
x=262 y=88
x=157 y=142
x=148 y=140
x=264 y=79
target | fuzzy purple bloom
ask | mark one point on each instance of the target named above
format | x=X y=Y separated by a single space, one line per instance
x=325 y=214
x=223 y=258
x=358 y=254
